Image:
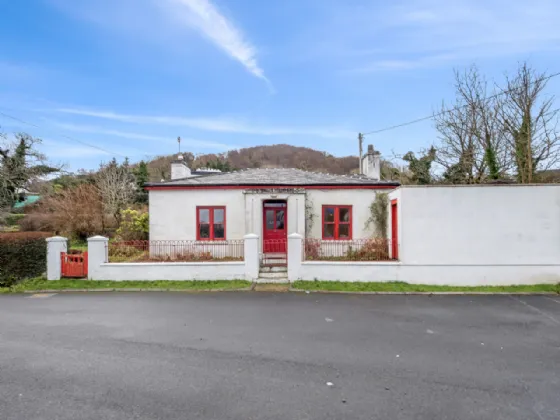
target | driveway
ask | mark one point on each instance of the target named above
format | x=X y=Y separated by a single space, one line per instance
x=270 y=356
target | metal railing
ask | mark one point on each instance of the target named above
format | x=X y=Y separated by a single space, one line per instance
x=176 y=251
x=373 y=249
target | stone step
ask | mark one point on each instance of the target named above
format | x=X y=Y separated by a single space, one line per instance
x=274 y=269
x=267 y=280
x=273 y=275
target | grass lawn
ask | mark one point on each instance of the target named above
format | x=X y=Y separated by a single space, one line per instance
x=42 y=284
x=396 y=286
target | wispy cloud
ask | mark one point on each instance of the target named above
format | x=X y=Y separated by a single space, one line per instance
x=61 y=150
x=212 y=124
x=413 y=34
x=138 y=136
x=168 y=23
x=205 y=17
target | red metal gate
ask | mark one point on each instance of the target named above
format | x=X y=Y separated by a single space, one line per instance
x=74 y=265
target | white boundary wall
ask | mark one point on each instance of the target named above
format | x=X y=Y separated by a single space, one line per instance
x=100 y=269
x=463 y=236
x=169 y=271
x=453 y=275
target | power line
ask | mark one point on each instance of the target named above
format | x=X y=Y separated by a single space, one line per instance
x=62 y=135
x=503 y=92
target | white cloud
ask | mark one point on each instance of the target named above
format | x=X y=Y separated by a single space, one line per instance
x=213 y=124
x=167 y=24
x=60 y=150
x=138 y=136
x=412 y=34
x=205 y=17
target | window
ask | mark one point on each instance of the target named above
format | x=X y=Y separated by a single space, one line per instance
x=337 y=222
x=211 y=223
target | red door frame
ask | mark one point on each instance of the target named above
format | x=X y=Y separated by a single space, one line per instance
x=275 y=240
x=394 y=230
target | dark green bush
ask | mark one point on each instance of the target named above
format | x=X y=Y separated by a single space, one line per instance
x=22 y=255
x=13 y=219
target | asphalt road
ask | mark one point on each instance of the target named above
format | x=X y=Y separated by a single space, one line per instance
x=270 y=356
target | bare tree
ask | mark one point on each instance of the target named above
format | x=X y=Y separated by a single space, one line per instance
x=472 y=146
x=116 y=187
x=530 y=123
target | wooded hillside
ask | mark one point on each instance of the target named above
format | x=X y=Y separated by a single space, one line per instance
x=275 y=156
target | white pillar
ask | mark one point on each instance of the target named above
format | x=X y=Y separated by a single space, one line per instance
x=294 y=256
x=252 y=263
x=55 y=246
x=98 y=253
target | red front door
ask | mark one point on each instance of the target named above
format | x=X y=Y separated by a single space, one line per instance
x=275 y=226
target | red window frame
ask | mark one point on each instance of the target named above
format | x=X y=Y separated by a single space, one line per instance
x=211 y=210
x=336 y=223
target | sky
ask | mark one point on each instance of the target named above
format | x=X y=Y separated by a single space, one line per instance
x=101 y=78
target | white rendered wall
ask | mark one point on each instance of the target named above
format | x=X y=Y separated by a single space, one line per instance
x=464 y=236
x=480 y=225
x=360 y=201
x=169 y=271
x=452 y=275
x=173 y=212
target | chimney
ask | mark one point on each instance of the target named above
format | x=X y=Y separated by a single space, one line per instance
x=371 y=164
x=179 y=169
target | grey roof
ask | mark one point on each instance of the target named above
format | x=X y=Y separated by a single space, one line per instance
x=275 y=176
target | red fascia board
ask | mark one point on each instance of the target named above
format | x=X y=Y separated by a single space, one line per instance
x=257 y=187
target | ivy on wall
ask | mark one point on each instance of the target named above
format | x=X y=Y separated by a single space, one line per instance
x=379 y=215
x=309 y=216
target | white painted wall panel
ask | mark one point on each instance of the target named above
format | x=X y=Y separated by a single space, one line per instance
x=173 y=212
x=480 y=225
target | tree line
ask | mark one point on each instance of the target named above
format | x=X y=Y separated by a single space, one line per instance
x=493 y=131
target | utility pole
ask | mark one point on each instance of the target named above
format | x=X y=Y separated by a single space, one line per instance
x=179 y=141
x=360 y=143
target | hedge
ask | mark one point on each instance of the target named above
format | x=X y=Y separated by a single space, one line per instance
x=22 y=255
x=13 y=219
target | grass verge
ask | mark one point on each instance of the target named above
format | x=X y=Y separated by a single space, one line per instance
x=396 y=286
x=69 y=284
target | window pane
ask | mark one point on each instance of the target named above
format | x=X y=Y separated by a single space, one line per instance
x=344 y=214
x=280 y=219
x=219 y=231
x=328 y=231
x=218 y=215
x=344 y=231
x=204 y=231
x=270 y=219
x=203 y=216
x=329 y=214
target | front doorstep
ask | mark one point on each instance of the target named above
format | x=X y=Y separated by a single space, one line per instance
x=274 y=259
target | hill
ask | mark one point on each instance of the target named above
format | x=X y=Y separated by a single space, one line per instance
x=275 y=156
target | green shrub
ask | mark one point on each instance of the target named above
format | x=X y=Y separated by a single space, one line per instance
x=124 y=253
x=13 y=219
x=22 y=255
x=134 y=225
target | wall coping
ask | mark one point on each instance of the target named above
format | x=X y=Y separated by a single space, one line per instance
x=400 y=263
x=353 y=263
x=172 y=264
x=98 y=239
x=57 y=239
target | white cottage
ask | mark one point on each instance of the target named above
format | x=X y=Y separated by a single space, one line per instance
x=271 y=203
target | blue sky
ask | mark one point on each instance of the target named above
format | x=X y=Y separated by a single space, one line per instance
x=129 y=76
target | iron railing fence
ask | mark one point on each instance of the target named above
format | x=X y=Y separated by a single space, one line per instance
x=372 y=249
x=176 y=251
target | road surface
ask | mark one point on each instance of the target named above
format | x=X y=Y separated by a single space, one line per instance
x=282 y=356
